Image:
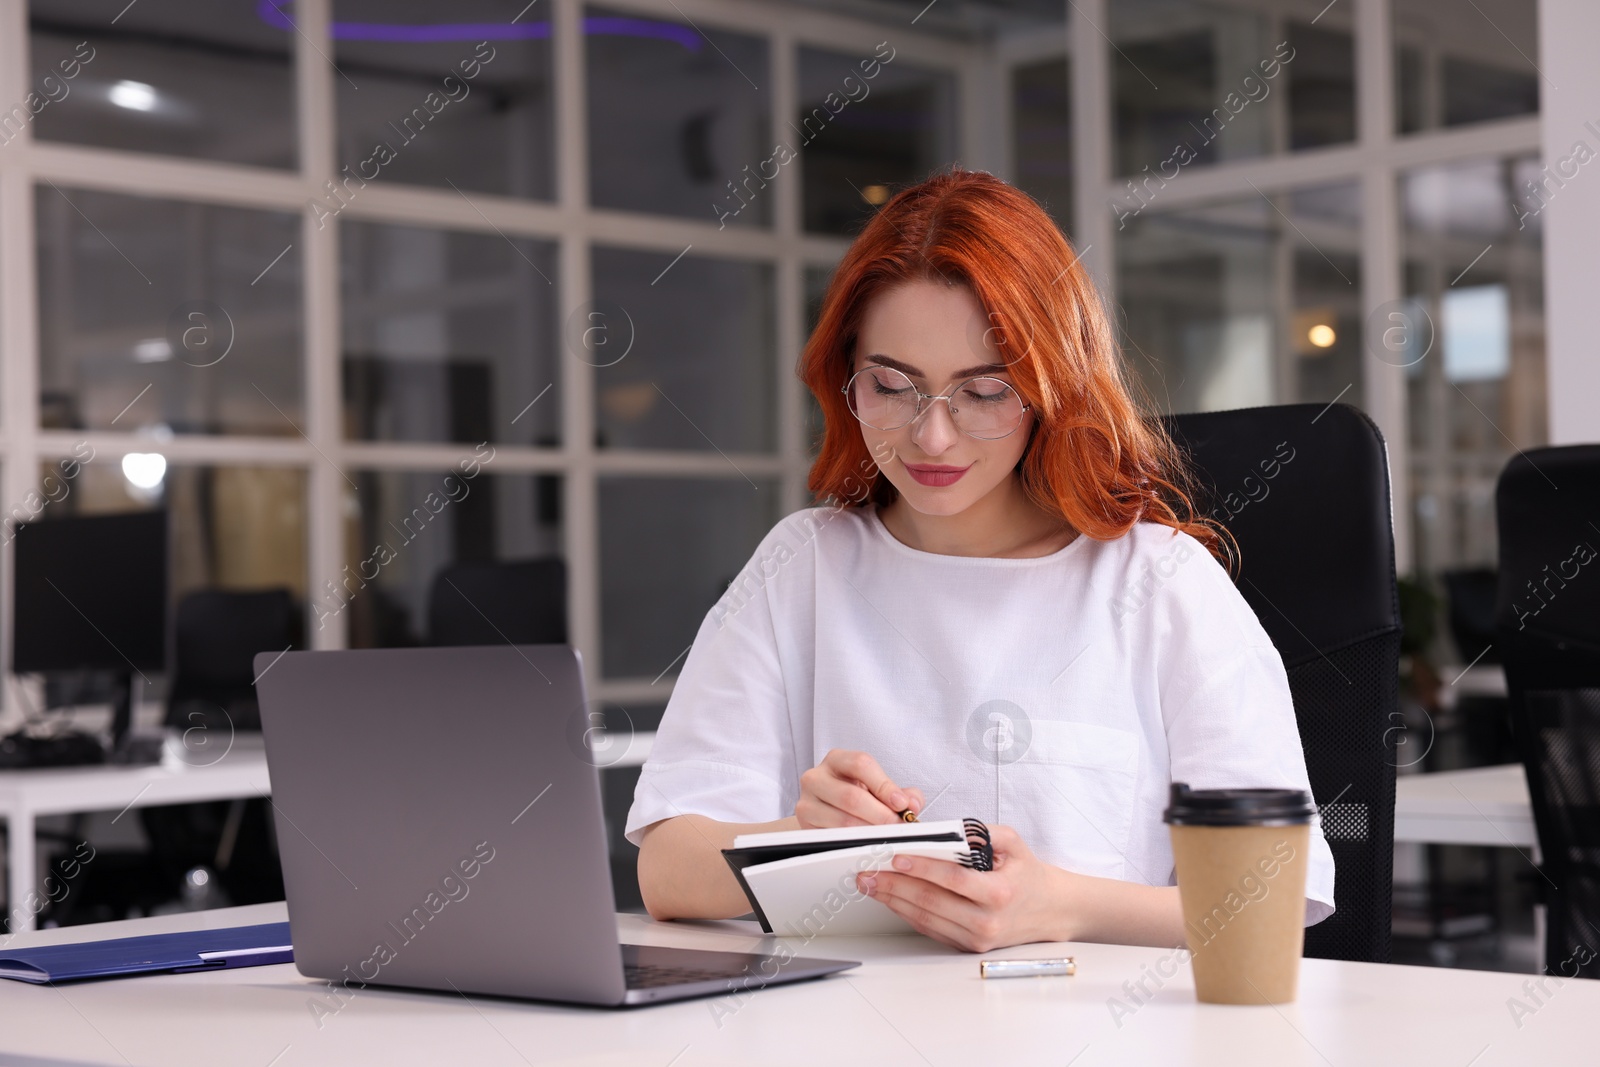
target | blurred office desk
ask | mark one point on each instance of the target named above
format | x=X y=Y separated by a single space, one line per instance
x=1479 y=806
x=236 y=767
x=1479 y=680
x=625 y=749
x=912 y=1003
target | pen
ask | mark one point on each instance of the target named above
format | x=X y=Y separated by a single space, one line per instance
x=1026 y=968
x=907 y=816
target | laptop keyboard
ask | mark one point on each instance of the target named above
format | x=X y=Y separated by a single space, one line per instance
x=650 y=976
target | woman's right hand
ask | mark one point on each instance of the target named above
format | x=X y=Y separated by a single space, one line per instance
x=850 y=789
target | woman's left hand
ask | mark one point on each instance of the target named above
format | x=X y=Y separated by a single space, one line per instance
x=1022 y=900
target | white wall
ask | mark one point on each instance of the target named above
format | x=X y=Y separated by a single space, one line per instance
x=1570 y=108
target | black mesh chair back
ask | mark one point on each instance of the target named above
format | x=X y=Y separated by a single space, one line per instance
x=1547 y=617
x=1469 y=594
x=490 y=603
x=216 y=635
x=1304 y=489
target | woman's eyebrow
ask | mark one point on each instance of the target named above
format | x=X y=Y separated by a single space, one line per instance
x=912 y=372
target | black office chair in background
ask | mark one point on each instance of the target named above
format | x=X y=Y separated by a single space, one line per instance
x=1304 y=489
x=216 y=635
x=1469 y=596
x=212 y=699
x=525 y=602
x=490 y=603
x=1547 y=616
x=1478 y=725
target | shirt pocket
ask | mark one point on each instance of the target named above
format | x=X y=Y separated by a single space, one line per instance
x=1083 y=779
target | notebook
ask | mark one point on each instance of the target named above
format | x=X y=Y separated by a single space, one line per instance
x=188 y=950
x=802 y=883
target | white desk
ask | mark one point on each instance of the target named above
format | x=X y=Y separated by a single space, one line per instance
x=240 y=771
x=1481 y=806
x=913 y=1002
x=632 y=749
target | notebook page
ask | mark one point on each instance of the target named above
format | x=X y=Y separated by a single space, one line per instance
x=825 y=835
x=809 y=896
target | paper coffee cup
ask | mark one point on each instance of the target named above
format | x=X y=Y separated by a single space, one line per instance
x=1241 y=858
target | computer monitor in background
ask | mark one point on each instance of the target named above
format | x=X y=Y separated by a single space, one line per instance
x=91 y=594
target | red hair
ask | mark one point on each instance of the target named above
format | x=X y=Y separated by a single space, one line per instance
x=1093 y=458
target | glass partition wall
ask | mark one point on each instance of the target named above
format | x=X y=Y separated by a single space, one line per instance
x=1291 y=186
x=291 y=271
x=286 y=268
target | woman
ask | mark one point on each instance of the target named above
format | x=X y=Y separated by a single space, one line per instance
x=1010 y=613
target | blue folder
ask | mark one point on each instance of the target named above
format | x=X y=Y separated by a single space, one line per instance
x=190 y=950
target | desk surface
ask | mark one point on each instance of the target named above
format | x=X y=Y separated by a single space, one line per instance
x=913 y=1002
x=203 y=769
x=1481 y=806
x=236 y=767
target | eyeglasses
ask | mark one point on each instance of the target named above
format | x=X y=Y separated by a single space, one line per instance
x=885 y=399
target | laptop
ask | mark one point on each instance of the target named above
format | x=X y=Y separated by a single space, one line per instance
x=439 y=825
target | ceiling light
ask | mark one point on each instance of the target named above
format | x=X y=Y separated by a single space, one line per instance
x=135 y=96
x=144 y=470
x=152 y=350
x=1322 y=335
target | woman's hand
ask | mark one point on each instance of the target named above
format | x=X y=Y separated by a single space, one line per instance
x=850 y=789
x=1023 y=899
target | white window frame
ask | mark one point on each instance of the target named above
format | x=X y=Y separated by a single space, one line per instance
x=567 y=220
x=1376 y=160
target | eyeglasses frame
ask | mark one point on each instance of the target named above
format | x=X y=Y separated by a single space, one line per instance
x=930 y=397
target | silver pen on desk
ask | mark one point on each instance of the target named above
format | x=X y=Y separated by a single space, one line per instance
x=1026 y=968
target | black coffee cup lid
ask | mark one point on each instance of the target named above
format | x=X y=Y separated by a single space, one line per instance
x=1238 y=807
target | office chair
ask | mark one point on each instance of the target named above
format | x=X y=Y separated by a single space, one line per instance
x=1547 y=616
x=1469 y=594
x=216 y=635
x=212 y=697
x=1482 y=722
x=525 y=602
x=490 y=603
x=1304 y=489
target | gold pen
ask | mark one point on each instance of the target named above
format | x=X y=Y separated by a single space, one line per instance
x=907 y=816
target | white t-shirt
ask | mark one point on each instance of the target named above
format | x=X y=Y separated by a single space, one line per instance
x=1059 y=695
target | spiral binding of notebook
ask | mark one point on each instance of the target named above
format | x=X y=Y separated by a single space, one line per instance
x=980 y=845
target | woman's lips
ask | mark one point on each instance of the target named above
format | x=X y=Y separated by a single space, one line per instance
x=936 y=475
